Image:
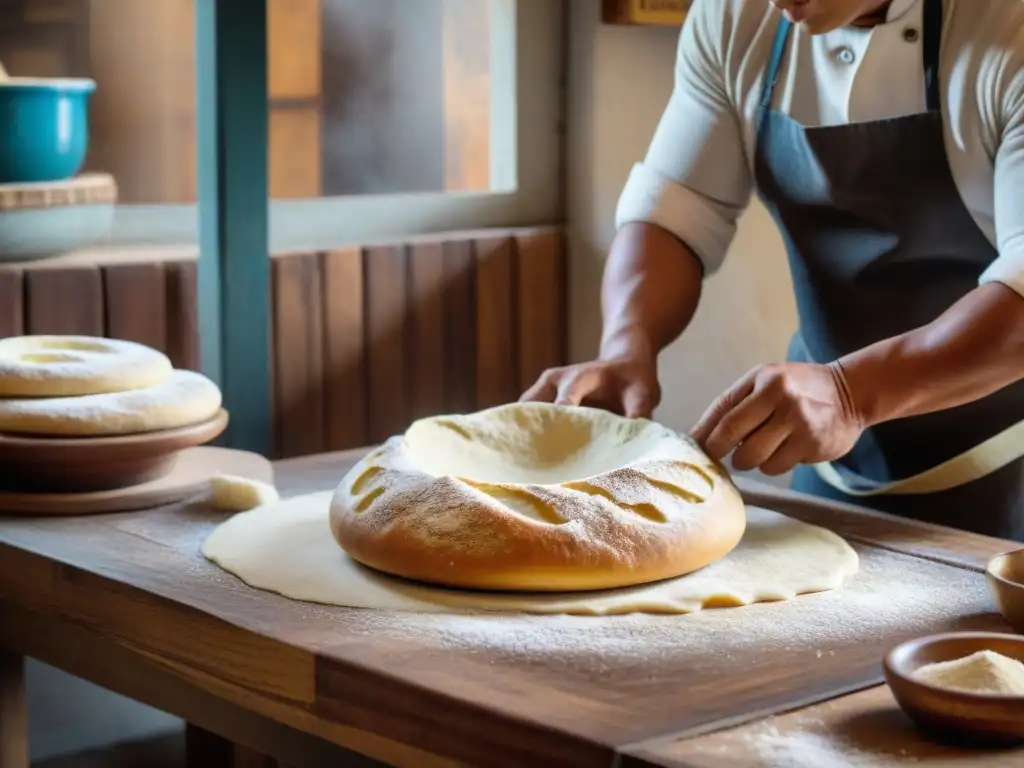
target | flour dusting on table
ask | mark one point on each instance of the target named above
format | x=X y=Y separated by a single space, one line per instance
x=891 y=590
x=808 y=747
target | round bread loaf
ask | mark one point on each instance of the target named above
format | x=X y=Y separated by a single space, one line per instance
x=68 y=366
x=537 y=497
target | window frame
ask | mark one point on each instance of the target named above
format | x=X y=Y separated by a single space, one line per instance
x=526 y=144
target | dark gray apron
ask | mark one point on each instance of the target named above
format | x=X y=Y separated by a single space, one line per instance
x=879 y=243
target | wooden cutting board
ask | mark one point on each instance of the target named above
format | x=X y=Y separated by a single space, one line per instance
x=87 y=189
x=190 y=477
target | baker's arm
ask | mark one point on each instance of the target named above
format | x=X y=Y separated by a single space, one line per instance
x=677 y=214
x=781 y=415
x=650 y=291
x=974 y=349
x=977 y=346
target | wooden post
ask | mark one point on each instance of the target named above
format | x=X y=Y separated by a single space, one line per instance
x=13 y=712
x=234 y=263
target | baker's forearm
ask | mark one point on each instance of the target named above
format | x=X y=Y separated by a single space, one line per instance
x=974 y=349
x=651 y=288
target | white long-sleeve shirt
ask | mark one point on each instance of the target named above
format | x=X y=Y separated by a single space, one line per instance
x=697 y=177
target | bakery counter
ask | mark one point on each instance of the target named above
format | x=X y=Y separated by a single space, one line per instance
x=129 y=602
x=365 y=338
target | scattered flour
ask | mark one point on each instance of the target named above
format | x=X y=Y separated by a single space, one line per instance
x=811 y=747
x=890 y=591
x=893 y=597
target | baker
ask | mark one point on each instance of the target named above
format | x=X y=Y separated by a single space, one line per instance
x=887 y=141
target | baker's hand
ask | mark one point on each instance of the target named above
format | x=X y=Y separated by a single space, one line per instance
x=627 y=386
x=778 y=416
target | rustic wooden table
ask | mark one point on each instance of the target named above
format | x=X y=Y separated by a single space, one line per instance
x=128 y=602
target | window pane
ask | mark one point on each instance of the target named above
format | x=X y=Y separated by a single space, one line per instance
x=407 y=96
x=387 y=117
x=366 y=98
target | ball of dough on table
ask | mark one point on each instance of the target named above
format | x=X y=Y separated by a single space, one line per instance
x=183 y=399
x=240 y=494
x=537 y=497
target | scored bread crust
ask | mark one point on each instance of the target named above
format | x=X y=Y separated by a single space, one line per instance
x=659 y=515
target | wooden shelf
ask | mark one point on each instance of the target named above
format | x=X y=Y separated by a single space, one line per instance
x=662 y=13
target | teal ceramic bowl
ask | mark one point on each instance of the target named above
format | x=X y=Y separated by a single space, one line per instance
x=44 y=128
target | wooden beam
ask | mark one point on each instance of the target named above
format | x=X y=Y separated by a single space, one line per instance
x=234 y=265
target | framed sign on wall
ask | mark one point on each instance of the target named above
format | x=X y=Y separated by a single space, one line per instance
x=667 y=13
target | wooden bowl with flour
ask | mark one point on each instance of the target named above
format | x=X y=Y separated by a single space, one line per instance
x=963 y=688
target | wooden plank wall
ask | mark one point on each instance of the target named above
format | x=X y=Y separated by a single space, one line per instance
x=364 y=339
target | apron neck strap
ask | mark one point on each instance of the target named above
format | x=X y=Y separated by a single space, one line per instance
x=771 y=74
x=931 y=41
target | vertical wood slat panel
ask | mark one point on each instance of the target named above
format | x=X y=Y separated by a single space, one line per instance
x=12 y=306
x=135 y=300
x=64 y=301
x=384 y=269
x=426 y=357
x=364 y=341
x=459 y=306
x=298 y=369
x=182 y=322
x=542 y=300
x=496 y=344
x=345 y=398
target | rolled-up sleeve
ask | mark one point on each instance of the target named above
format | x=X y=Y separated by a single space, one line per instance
x=695 y=181
x=1008 y=268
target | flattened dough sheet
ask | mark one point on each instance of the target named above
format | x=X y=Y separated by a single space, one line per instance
x=287 y=547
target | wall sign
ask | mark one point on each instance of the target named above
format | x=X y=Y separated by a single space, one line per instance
x=667 y=13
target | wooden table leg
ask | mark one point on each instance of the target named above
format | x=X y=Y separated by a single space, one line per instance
x=13 y=712
x=206 y=750
x=247 y=758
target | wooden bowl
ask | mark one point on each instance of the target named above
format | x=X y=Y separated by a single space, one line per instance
x=956 y=717
x=89 y=464
x=1005 y=576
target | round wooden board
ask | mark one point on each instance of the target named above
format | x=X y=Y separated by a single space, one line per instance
x=190 y=477
x=87 y=189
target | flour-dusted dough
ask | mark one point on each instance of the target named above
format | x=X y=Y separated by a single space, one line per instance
x=537 y=497
x=65 y=366
x=183 y=399
x=287 y=548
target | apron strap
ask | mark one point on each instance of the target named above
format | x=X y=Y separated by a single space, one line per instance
x=931 y=44
x=771 y=74
x=974 y=464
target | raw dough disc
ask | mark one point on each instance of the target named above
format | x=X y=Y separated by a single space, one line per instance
x=287 y=548
x=183 y=399
x=66 y=366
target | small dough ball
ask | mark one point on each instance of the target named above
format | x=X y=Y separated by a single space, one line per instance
x=240 y=494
